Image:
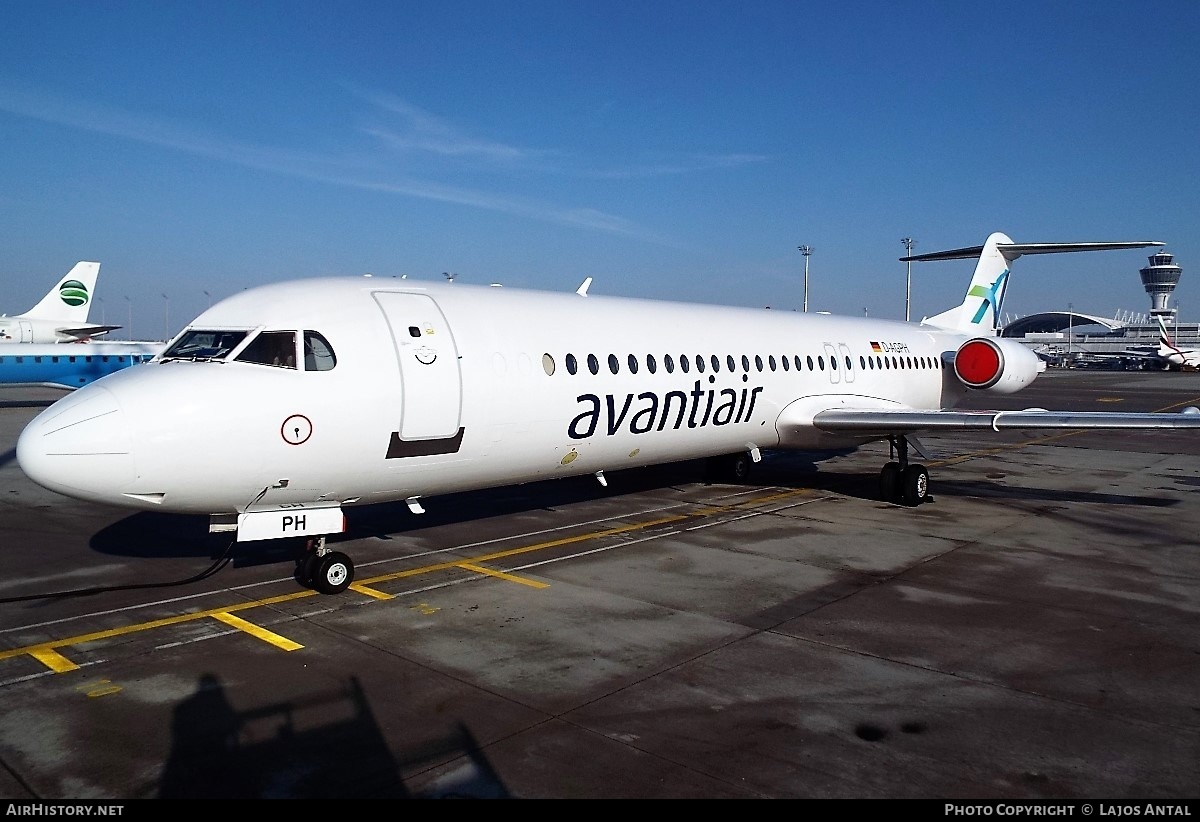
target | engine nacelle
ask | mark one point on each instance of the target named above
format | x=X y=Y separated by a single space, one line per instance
x=996 y=364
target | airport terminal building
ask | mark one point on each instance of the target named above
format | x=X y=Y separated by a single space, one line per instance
x=1071 y=339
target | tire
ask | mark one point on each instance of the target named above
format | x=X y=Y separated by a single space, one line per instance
x=306 y=569
x=915 y=485
x=730 y=468
x=739 y=467
x=889 y=482
x=335 y=572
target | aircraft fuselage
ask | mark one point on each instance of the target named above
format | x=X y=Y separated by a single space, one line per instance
x=440 y=388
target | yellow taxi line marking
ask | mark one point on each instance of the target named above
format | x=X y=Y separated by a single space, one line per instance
x=1000 y=449
x=48 y=655
x=791 y=492
x=53 y=660
x=362 y=588
x=705 y=510
x=258 y=632
x=1192 y=401
x=512 y=552
x=479 y=569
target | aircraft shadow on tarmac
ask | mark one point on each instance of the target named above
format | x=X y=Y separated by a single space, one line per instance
x=994 y=490
x=325 y=745
x=151 y=534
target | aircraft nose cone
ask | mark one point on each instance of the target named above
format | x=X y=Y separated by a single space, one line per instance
x=79 y=446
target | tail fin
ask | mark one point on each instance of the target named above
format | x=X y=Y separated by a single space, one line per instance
x=71 y=298
x=979 y=312
x=1164 y=336
x=1166 y=346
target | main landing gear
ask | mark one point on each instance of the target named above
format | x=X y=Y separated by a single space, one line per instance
x=326 y=570
x=731 y=468
x=901 y=481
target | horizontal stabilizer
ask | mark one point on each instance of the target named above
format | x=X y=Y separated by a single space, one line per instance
x=88 y=330
x=979 y=312
x=1011 y=251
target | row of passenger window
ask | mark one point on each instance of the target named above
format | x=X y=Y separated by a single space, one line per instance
x=685 y=363
x=55 y=358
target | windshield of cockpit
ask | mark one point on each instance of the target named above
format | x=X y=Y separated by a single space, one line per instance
x=274 y=348
x=205 y=345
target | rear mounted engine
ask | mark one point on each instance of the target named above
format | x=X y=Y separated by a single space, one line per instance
x=995 y=364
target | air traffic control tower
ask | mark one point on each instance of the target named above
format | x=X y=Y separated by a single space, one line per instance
x=1159 y=279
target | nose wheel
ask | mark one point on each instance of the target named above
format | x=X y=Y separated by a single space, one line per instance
x=324 y=569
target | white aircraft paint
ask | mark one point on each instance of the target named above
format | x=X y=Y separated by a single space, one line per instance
x=279 y=406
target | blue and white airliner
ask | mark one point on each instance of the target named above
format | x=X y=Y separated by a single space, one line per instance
x=71 y=365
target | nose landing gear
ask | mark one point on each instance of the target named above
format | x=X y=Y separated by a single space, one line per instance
x=326 y=570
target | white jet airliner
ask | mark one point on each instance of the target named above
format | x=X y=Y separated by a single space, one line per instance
x=281 y=405
x=1172 y=354
x=60 y=316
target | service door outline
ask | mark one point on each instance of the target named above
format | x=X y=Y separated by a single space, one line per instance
x=431 y=382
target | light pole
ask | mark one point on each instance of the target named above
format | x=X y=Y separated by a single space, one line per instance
x=206 y=294
x=129 y=327
x=805 y=250
x=166 y=318
x=908 y=244
x=1070 y=333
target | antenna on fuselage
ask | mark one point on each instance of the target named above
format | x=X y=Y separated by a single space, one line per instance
x=583 y=287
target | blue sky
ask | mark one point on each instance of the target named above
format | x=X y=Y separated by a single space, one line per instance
x=666 y=149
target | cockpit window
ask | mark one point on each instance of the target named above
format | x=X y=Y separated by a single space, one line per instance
x=205 y=345
x=271 y=348
x=318 y=353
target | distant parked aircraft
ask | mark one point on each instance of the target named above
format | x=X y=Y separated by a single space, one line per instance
x=60 y=316
x=70 y=365
x=1170 y=352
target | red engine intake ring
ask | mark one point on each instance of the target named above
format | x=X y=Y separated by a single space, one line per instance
x=979 y=363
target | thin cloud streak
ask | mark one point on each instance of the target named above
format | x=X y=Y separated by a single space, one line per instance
x=419 y=130
x=104 y=120
x=423 y=131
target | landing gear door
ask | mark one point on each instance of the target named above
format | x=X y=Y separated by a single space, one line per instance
x=431 y=404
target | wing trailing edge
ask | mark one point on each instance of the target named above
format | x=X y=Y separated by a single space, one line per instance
x=867 y=422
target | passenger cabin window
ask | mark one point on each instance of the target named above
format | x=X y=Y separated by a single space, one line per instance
x=318 y=353
x=277 y=348
x=205 y=345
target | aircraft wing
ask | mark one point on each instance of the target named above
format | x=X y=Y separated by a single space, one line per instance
x=869 y=421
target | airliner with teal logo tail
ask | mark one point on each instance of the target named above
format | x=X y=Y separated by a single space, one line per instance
x=282 y=406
